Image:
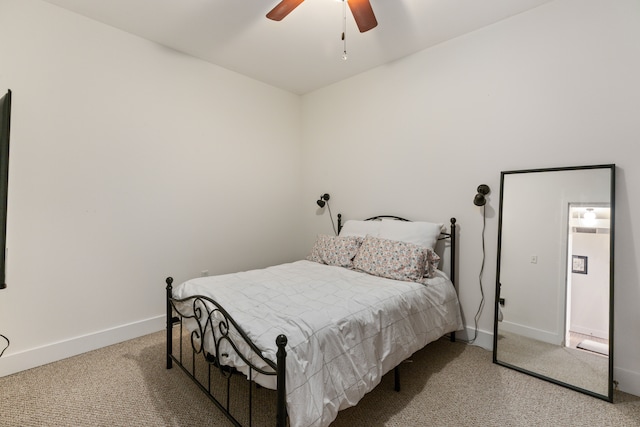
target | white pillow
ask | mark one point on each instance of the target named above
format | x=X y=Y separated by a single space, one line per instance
x=360 y=228
x=419 y=233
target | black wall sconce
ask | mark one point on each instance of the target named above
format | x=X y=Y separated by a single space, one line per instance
x=322 y=201
x=480 y=199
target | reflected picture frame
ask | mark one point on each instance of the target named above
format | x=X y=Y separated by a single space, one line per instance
x=579 y=264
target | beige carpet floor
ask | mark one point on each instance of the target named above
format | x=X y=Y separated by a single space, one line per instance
x=447 y=384
x=581 y=368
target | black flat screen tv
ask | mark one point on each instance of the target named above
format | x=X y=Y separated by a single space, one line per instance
x=5 y=127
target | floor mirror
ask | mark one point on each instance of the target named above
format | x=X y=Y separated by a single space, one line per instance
x=554 y=281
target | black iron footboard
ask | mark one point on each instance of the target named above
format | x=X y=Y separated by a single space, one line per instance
x=216 y=330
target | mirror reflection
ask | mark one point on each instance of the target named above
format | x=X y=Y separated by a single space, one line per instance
x=555 y=276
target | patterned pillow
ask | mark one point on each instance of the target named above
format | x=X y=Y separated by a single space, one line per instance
x=391 y=259
x=335 y=250
x=433 y=260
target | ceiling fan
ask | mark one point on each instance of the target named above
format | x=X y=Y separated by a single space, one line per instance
x=361 y=10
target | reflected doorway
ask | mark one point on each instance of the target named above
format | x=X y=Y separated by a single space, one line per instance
x=587 y=320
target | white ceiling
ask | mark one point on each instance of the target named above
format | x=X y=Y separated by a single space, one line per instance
x=303 y=52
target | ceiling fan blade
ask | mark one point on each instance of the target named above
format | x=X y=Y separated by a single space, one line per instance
x=282 y=9
x=363 y=14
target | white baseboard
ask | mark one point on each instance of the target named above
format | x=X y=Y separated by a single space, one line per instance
x=16 y=362
x=590 y=331
x=628 y=381
x=529 y=332
x=483 y=339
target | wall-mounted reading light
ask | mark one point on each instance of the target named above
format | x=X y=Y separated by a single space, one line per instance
x=322 y=201
x=480 y=198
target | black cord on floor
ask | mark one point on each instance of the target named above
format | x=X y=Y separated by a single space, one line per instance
x=6 y=347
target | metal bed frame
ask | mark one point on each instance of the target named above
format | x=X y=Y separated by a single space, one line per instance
x=214 y=323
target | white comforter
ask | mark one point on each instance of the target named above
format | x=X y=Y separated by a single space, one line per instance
x=345 y=329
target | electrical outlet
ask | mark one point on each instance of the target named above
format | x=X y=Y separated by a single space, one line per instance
x=534 y=259
x=501 y=300
x=204 y=273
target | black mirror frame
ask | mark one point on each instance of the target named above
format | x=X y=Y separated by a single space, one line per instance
x=609 y=396
x=5 y=125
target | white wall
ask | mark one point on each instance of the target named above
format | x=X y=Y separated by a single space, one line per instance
x=556 y=86
x=129 y=163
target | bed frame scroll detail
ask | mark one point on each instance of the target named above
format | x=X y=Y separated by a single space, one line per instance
x=215 y=325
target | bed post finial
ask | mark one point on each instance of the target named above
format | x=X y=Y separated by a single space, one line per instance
x=281 y=355
x=339 y=222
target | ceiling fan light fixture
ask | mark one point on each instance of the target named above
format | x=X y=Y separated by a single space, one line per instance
x=361 y=10
x=344 y=30
x=363 y=14
x=282 y=9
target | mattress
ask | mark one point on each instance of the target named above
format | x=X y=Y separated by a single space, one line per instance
x=345 y=328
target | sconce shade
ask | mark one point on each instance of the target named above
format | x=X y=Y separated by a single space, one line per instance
x=323 y=200
x=479 y=199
